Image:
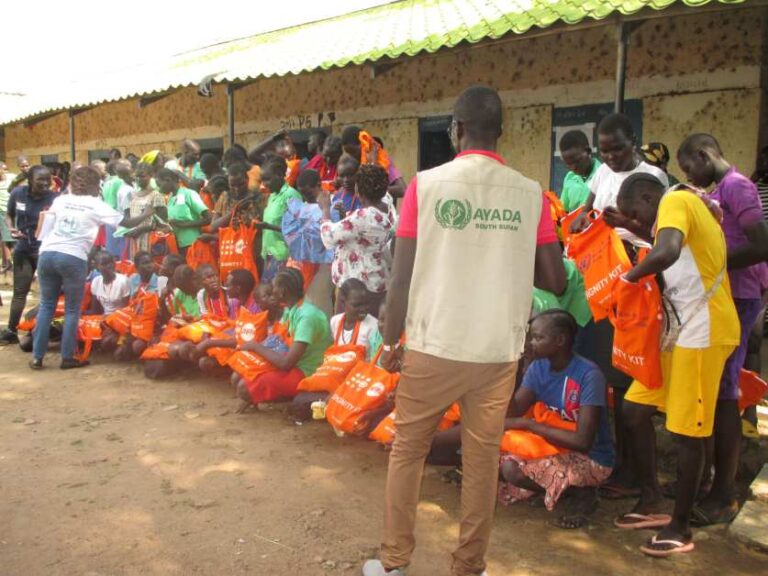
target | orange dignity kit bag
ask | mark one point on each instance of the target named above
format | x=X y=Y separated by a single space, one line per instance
x=88 y=331
x=601 y=258
x=385 y=431
x=338 y=361
x=365 y=388
x=636 y=316
x=530 y=446
x=200 y=253
x=236 y=248
x=146 y=308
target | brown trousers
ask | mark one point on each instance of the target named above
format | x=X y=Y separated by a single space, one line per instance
x=429 y=385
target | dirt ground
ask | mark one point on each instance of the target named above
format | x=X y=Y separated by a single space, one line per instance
x=103 y=472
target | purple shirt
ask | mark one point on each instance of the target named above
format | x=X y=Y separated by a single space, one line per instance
x=738 y=197
x=393 y=172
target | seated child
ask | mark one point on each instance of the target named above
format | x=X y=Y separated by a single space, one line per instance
x=165 y=289
x=143 y=281
x=239 y=289
x=264 y=299
x=575 y=389
x=183 y=309
x=309 y=335
x=353 y=326
x=110 y=291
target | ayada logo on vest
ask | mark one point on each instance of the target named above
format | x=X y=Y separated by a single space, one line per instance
x=456 y=214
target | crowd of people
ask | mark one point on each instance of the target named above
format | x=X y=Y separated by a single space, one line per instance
x=467 y=319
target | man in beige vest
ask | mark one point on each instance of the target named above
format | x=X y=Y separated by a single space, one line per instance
x=472 y=241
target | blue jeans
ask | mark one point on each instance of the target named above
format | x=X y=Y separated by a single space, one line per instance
x=57 y=272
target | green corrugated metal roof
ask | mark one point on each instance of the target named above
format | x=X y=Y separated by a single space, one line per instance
x=394 y=30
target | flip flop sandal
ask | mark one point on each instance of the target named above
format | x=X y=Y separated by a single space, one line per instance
x=637 y=521
x=669 y=547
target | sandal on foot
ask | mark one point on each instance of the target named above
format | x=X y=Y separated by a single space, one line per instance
x=701 y=517
x=666 y=547
x=637 y=521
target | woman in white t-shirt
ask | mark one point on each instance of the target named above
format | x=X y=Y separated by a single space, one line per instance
x=110 y=290
x=617 y=145
x=68 y=230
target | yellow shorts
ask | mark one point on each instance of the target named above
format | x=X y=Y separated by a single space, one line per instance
x=691 y=385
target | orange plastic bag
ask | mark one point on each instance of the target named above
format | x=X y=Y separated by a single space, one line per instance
x=146 y=308
x=88 y=331
x=451 y=417
x=120 y=320
x=565 y=224
x=249 y=365
x=385 y=431
x=125 y=267
x=308 y=270
x=636 y=316
x=251 y=326
x=338 y=361
x=236 y=250
x=601 y=258
x=157 y=351
x=27 y=325
x=365 y=388
x=371 y=151
x=292 y=173
x=220 y=354
x=195 y=331
x=200 y=253
x=557 y=210
x=530 y=446
x=752 y=389
x=161 y=244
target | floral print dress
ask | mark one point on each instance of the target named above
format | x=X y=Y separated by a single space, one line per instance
x=360 y=243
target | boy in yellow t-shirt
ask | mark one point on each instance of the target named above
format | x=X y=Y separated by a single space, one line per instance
x=689 y=250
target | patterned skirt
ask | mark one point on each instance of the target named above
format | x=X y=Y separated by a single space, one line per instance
x=554 y=474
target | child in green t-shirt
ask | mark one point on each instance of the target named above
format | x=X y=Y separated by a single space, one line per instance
x=308 y=335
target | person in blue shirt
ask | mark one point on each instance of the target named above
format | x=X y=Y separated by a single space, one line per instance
x=574 y=389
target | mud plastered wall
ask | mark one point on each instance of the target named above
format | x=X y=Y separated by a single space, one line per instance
x=669 y=118
x=668 y=57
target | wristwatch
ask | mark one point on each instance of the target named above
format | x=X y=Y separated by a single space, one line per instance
x=390 y=347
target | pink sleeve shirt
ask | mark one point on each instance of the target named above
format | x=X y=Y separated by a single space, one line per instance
x=409 y=210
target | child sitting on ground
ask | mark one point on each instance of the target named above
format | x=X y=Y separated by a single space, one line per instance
x=239 y=290
x=309 y=337
x=264 y=299
x=352 y=327
x=144 y=281
x=110 y=291
x=183 y=309
x=573 y=388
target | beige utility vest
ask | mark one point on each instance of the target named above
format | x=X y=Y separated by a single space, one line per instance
x=472 y=285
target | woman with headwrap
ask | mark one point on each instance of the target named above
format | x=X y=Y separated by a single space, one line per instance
x=657 y=154
x=67 y=231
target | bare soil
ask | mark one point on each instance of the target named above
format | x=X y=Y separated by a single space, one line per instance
x=103 y=472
